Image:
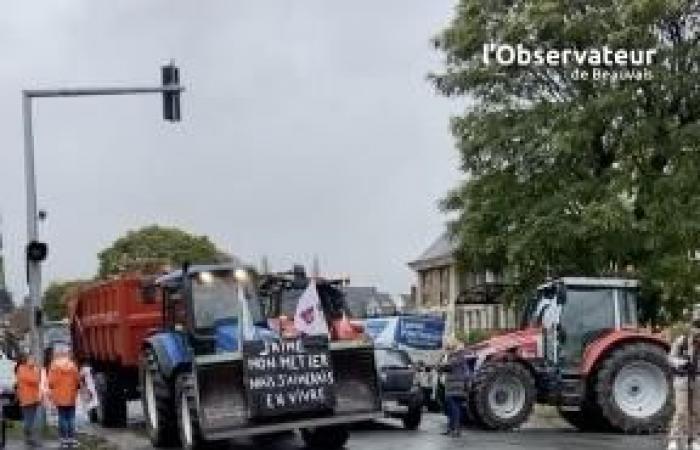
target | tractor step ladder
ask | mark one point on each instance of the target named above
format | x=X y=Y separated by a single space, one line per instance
x=571 y=391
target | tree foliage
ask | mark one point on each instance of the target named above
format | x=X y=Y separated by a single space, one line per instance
x=154 y=247
x=56 y=295
x=566 y=176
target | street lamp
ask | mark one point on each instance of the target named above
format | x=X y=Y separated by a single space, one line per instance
x=37 y=251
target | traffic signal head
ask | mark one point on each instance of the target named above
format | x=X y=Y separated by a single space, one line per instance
x=37 y=251
x=170 y=76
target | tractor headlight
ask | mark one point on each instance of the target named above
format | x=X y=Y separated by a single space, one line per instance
x=241 y=275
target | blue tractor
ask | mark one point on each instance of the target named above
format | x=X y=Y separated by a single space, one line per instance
x=219 y=367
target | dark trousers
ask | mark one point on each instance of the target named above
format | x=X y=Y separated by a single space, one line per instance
x=29 y=416
x=453 y=409
x=66 y=422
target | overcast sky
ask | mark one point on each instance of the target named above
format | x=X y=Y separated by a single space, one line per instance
x=308 y=128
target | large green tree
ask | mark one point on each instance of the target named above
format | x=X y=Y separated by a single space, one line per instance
x=567 y=176
x=154 y=246
x=55 y=299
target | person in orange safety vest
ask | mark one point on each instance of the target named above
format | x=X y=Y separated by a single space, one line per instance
x=63 y=385
x=28 y=378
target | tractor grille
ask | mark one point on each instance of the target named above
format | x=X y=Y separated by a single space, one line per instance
x=356 y=386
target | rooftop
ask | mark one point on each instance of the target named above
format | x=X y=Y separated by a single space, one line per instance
x=439 y=253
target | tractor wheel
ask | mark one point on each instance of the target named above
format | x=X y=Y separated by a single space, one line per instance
x=469 y=417
x=412 y=419
x=503 y=395
x=111 y=408
x=325 y=438
x=157 y=396
x=187 y=415
x=634 y=389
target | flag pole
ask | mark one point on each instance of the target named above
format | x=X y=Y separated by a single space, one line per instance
x=315 y=271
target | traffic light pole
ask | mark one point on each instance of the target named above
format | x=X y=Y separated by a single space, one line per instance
x=33 y=267
x=168 y=90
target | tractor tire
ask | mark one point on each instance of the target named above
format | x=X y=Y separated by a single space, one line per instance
x=325 y=438
x=158 y=399
x=187 y=415
x=503 y=395
x=111 y=408
x=469 y=417
x=411 y=421
x=634 y=389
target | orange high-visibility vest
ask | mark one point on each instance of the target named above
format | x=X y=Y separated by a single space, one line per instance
x=28 y=382
x=64 y=382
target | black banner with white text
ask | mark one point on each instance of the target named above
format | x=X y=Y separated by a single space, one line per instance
x=288 y=375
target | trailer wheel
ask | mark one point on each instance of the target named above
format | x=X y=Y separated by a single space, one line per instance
x=187 y=415
x=634 y=389
x=157 y=397
x=325 y=438
x=111 y=409
x=503 y=395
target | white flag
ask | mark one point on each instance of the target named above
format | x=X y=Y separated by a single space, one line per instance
x=309 y=318
x=247 y=326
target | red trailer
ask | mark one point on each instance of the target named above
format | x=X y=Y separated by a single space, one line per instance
x=109 y=322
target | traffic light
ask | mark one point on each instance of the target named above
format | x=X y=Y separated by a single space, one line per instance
x=170 y=76
x=37 y=251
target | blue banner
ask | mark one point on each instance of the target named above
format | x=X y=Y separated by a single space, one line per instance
x=420 y=332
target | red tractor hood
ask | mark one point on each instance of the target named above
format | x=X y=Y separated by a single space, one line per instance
x=525 y=343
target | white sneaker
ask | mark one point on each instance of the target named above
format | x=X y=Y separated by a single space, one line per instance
x=672 y=445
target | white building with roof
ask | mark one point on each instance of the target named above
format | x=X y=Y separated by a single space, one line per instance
x=470 y=301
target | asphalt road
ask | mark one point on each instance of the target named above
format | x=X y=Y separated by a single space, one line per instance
x=541 y=433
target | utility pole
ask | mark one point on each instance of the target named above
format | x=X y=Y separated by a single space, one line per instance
x=3 y=285
x=36 y=250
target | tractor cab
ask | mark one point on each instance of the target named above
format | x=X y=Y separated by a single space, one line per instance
x=574 y=312
x=211 y=303
x=280 y=292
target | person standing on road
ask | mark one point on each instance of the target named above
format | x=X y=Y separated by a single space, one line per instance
x=28 y=377
x=423 y=378
x=63 y=384
x=456 y=377
x=680 y=359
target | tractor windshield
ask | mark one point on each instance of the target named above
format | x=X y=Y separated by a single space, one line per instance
x=215 y=299
x=588 y=311
x=332 y=301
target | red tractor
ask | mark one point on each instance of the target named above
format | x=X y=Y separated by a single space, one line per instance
x=580 y=349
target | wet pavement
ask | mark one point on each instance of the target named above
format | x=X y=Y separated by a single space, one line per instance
x=541 y=433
